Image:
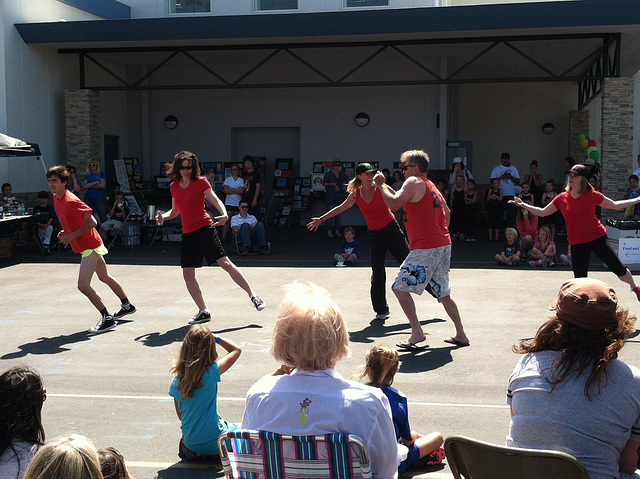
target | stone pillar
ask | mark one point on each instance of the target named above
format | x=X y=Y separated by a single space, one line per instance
x=578 y=123
x=616 y=149
x=82 y=123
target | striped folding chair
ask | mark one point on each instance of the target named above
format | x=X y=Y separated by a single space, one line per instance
x=247 y=454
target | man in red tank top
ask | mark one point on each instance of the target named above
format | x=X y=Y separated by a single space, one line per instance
x=427 y=266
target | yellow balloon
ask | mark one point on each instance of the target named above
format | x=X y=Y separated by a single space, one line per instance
x=584 y=143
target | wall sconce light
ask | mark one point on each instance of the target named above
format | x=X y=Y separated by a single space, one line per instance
x=171 y=122
x=548 y=128
x=362 y=119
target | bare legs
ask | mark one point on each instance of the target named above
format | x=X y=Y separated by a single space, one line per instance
x=417 y=334
x=189 y=275
x=94 y=263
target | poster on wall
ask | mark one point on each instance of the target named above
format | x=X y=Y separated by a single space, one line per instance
x=121 y=175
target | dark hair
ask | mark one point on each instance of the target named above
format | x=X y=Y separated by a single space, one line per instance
x=351 y=229
x=4 y=185
x=115 y=185
x=21 y=398
x=453 y=166
x=43 y=194
x=173 y=172
x=112 y=464
x=60 y=171
x=635 y=177
x=505 y=155
x=471 y=180
x=570 y=160
x=248 y=158
x=583 y=350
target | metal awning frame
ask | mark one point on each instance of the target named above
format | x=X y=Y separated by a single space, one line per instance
x=590 y=71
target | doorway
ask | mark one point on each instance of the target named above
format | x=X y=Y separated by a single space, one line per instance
x=111 y=152
x=463 y=149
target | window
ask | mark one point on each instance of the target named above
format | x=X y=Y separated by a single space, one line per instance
x=189 y=6
x=366 y=3
x=263 y=5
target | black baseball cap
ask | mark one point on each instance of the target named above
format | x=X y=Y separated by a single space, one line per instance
x=364 y=168
x=580 y=170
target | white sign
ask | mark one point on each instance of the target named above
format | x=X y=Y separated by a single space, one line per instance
x=629 y=250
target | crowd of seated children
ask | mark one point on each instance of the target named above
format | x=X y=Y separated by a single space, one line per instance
x=510 y=254
x=543 y=252
x=471 y=207
x=527 y=225
x=456 y=203
x=70 y=457
x=380 y=368
x=494 y=207
x=349 y=249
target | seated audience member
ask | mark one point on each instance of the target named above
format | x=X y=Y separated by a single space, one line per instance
x=71 y=457
x=543 y=252
x=568 y=392
x=249 y=230
x=112 y=464
x=21 y=431
x=44 y=215
x=526 y=195
x=115 y=188
x=233 y=189
x=633 y=191
x=349 y=249
x=527 y=225
x=381 y=366
x=194 y=388
x=306 y=395
x=118 y=214
x=510 y=254
x=6 y=190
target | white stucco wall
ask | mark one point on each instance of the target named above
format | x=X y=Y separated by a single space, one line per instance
x=31 y=95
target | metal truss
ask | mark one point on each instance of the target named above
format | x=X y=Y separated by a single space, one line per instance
x=596 y=65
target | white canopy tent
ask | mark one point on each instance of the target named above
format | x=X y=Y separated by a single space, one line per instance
x=18 y=165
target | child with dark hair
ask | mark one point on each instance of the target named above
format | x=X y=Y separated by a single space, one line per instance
x=381 y=366
x=112 y=464
x=470 y=210
x=349 y=249
x=21 y=431
x=43 y=215
x=495 y=209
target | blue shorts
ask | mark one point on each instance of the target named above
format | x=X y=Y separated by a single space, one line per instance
x=412 y=456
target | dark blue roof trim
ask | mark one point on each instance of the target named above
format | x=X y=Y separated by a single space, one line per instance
x=561 y=14
x=109 y=9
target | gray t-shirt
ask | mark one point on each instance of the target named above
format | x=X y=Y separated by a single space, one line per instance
x=12 y=466
x=594 y=431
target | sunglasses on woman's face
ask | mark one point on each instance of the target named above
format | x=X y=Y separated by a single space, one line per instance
x=186 y=167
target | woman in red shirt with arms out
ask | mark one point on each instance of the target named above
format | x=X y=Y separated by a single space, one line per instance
x=585 y=232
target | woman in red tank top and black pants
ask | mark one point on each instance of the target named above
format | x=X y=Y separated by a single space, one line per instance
x=384 y=232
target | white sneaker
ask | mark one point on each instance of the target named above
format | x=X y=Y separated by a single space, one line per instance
x=382 y=316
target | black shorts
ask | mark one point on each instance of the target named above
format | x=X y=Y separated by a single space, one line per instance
x=199 y=244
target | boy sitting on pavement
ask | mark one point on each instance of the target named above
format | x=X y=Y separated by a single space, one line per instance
x=349 y=249
x=44 y=215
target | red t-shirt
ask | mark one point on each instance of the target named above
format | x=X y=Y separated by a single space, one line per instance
x=377 y=214
x=426 y=220
x=580 y=215
x=190 y=201
x=71 y=210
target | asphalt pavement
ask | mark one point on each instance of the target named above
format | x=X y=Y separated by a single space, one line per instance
x=114 y=387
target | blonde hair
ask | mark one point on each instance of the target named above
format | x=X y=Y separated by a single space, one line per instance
x=70 y=457
x=93 y=159
x=512 y=231
x=354 y=184
x=381 y=365
x=547 y=230
x=310 y=332
x=197 y=353
x=584 y=185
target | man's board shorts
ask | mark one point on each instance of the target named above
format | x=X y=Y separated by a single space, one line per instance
x=425 y=268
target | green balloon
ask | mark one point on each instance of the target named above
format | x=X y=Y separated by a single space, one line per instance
x=594 y=155
x=581 y=137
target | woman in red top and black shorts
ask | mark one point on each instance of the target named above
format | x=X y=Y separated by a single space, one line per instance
x=383 y=229
x=585 y=232
x=199 y=237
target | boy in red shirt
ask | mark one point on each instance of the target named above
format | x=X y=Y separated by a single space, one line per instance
x=79 y=230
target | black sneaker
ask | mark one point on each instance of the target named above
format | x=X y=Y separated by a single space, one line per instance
x=124 y=310
x=201 y=317
x=105 y=324
x=258 y=303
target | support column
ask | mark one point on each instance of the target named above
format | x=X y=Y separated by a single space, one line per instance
x=82 y=123
x=578 y=123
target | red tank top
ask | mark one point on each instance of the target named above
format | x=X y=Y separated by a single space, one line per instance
x=377 y=214
x=426 y=220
